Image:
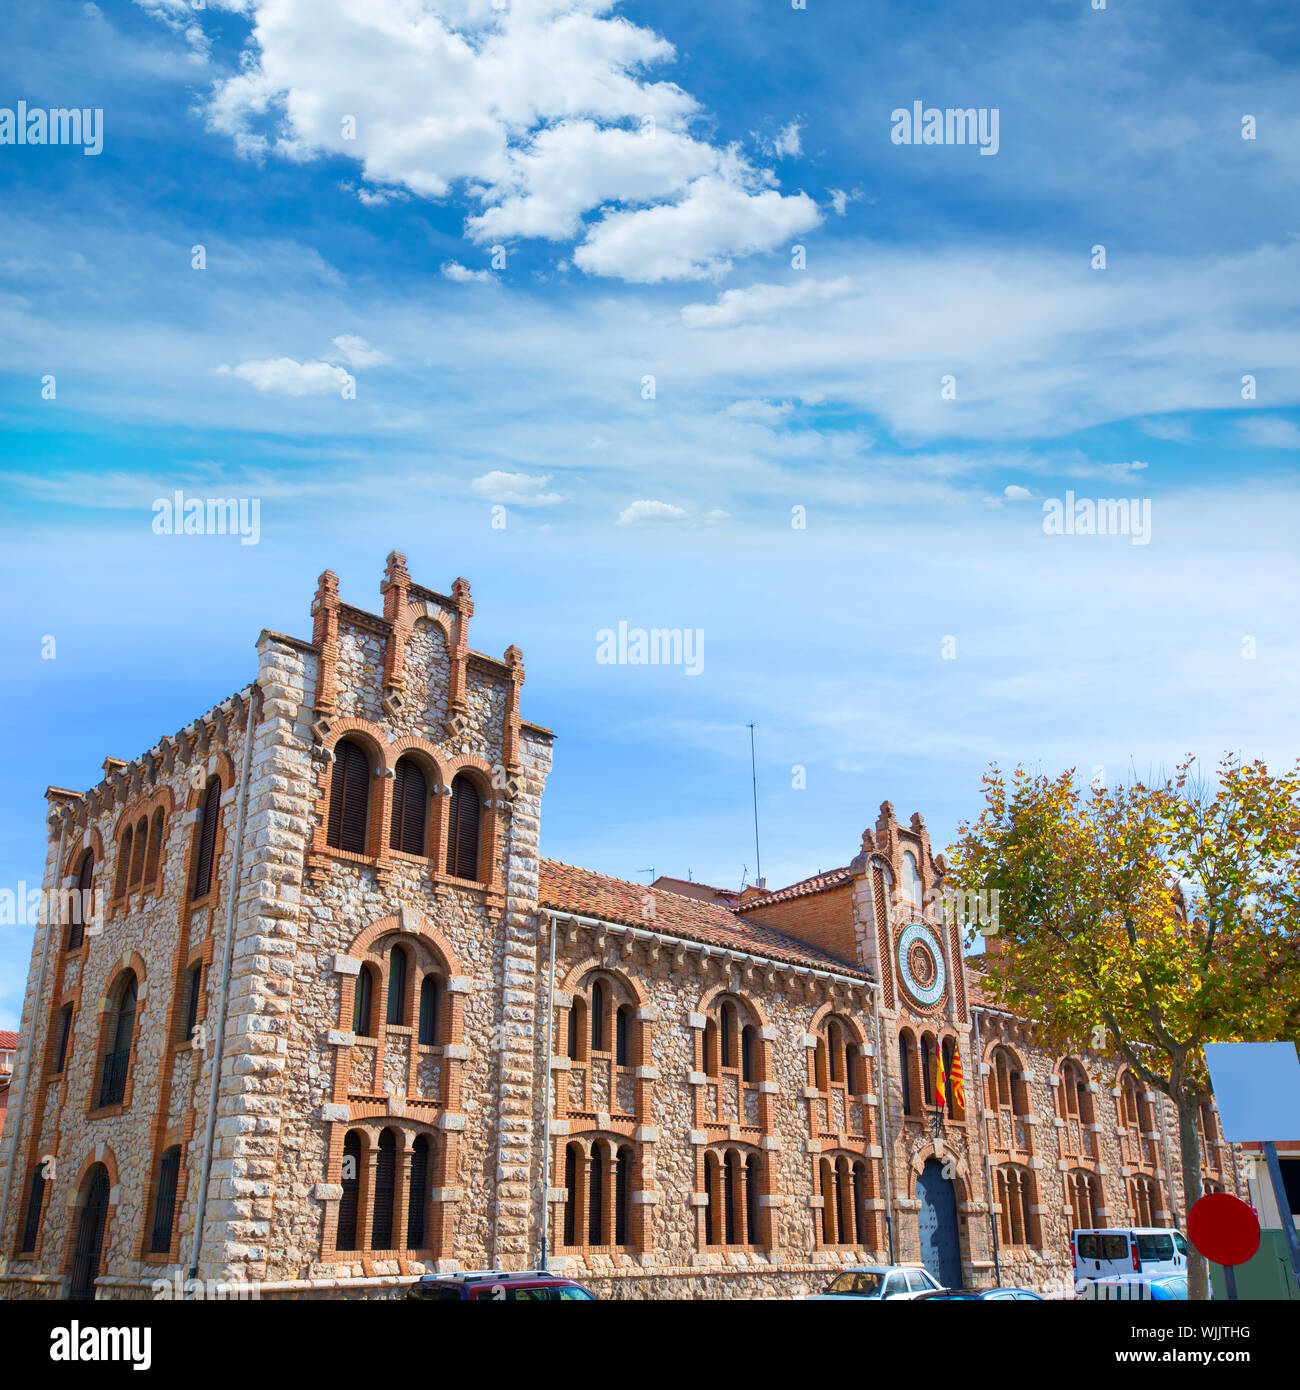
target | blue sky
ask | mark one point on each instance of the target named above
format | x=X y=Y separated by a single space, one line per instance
x=629 y=253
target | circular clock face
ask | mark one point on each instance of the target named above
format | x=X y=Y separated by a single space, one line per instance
x=920 y=963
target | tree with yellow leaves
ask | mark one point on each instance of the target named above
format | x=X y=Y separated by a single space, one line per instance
x=1156 y=917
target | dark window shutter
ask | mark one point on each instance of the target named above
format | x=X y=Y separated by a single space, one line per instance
x=193 y=988
x=81 y=904
x=462 y=836
x=207 y=845
x=622 y=1031
x=361 y=1004
x=123 y=861
x=410 y=803
x=751 y=1200
x=155 y=847
x=347 y=1232
x=622 y=1195
x=571 y=1158
x=349 y=799
x=417 y=1195
x=597 y=1017
x=65 y=1030
x=164 y=1206
x=428 y=1010
x=381 y=1227
x=35 y=1198
x=112 y=1087
x=595 y=1196
x=141 y=843
x=396 y=985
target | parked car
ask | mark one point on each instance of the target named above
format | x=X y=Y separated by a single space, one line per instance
x=880 y=1281
x=981 y=1296
x=1127 y=1250
x=1163 y=1288
x=535 y=1287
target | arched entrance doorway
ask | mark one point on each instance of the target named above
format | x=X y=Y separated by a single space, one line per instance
x=90 y=1234
x=937 y=1219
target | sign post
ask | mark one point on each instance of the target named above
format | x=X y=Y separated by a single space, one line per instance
x=1257 y=1090
x=1225 y=1230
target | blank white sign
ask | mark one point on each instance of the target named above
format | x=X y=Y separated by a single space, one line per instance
x=1257 y=1090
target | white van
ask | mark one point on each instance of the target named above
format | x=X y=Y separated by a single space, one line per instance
x=1127 y=1250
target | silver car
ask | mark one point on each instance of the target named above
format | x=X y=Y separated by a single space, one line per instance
x=878 y=1281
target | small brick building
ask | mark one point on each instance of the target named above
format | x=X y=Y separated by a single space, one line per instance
x=332 y=1021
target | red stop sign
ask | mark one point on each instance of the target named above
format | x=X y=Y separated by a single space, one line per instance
x=1223 y=1228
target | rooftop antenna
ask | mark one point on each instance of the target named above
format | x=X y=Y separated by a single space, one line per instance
x=753 y=771
x=650 y=871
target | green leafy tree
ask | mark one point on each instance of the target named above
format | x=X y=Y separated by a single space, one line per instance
x=1151 y=918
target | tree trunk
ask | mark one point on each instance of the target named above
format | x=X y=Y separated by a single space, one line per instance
x=1189 y=1144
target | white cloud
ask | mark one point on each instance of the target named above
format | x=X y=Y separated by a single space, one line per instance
x=756 y=302
x=543 y=112
x=462 y=275
x=1272 y=432
x=760 y=412
x=784 y=144
x=286 y=377
x=1013 y=492
x=518 y=489
x=652 y=514
x=356 y=352
x=1176 y=431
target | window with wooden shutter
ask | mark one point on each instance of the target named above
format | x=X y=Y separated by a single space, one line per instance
x=164 y=1205
x=137 y=857
x=362 y=1001
x=193 y=989
x=155 y=847
x=381 y=1225
x=428 y=1034
x=349 y=814
x=123 y=861
x=112 y=1085
x=35 y=1201
x=61 y=1046
x=346 y=1239
x=81 y=903
x=205 y=850
x=417 y=1193
x=462 y=831
x=397 y=986
x=410 y=808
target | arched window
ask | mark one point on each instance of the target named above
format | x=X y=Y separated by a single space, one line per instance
x=955 y=1111
x=121 y=1026
x=834 y=1051
x=711 y=1166
x=598 y=1017
x=730 y=1193
x=711 y=1047
x=397 y=986
x=462 y=829
x=747 y=1046
x=753 y=1185
x=91 y=1222
x=830 y=1224
x=417 y=1194
x=1015 y=1196
x=381 y=1222
x=860 y=1204
x=572 y=1160
x=62 y=1032
x=577 y=1030
x=927 y=1069
x=137 y=854
x=348 y=824
x=428 y=1035
x=410 y=807
x=206 y=849
x=727 y=1037
x=193 y=993
x=81 y=904
x=905 y=1071
x=623 y=1036
x=123 y=861
x=350 y=1202
x=1083 y=1200
x=363 y=1002
x=912 y=887
x=164 y=1202
x=35 y=1204
x=155 y=847
x=623 y=1196
x=596 y=1195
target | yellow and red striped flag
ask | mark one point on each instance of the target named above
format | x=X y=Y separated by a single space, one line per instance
x=958 y=1084
x=940 y=1096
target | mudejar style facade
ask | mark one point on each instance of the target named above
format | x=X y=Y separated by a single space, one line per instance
x=338 y=1023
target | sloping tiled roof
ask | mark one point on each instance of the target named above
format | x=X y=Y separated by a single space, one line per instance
x=589 y=894
x=818 y=883
x=7 y=1039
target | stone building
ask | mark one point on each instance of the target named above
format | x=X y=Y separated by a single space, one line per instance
x=308 y=1011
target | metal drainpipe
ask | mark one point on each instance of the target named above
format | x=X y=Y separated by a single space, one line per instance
x=984 y=1140
x=546 y=1100
x=886 y=1145
x=20 y=1090
x=1169 y=1171
x=227 y=956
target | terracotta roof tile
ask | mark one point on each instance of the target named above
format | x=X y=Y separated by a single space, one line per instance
x=818 y=883
x=7 y=1039
x=589 y=894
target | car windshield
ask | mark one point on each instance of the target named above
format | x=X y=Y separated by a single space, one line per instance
x=1152 y=1247
x=863 y=1282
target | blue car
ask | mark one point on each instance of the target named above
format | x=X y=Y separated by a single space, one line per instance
x=1160 y=1288
x=980 y=1296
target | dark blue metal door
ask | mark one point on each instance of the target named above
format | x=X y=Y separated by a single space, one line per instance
x=940 y=1247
